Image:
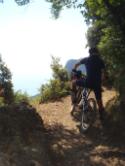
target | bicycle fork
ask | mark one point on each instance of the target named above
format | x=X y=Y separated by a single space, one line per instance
x=84 y=100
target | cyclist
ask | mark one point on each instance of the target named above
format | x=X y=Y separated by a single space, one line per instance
x=95 y=68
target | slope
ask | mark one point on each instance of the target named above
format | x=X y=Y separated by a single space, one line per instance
x=102 y=145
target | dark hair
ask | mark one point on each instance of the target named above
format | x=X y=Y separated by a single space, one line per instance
x=93 y=50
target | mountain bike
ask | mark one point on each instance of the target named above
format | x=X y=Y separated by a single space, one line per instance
x=87 y=107
x=88 y=111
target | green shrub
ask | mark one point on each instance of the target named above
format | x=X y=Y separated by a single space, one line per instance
x=57 y=87
x=53 y=90
x=19 y=97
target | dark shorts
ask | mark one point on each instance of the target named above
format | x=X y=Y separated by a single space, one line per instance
x=96 y=87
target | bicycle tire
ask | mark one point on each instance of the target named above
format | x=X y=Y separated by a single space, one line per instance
x=78 y=99
x=79 y=95
x=88 y=116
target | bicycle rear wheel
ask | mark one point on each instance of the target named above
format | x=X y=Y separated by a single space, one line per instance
x=88 y=116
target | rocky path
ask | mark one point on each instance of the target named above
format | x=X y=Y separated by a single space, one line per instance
x=102 y=145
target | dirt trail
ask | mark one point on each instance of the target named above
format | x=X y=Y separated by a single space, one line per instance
x=100 y=146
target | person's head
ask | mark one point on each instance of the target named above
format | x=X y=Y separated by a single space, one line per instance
x=93 y=51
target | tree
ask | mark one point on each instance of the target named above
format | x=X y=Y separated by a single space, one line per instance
x=58 y=86
x=59 y=72
x=19 y=2
x=110 y=15
x=58 y=5
x=20 y=96
x=22 y=2
x=6 y=83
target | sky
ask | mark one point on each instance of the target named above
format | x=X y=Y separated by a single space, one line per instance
x=29 y=36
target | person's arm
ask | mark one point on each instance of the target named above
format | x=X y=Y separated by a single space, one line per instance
x=82 y=61
x=77 y=65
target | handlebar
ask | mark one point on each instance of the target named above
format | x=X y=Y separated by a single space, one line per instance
x=77 y=74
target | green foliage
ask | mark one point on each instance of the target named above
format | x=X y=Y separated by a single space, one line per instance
x=6 y=83
x=58 y=71
x=58 y=5
x=57 y=87
x=35 y=100
x=22 y=2
x=20 y=96
x=94 y=34
x=112 y=39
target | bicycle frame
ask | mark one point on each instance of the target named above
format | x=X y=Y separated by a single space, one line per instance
x=88 y=110
x=85 y=94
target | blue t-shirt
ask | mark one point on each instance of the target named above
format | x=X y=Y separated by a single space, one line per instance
x=94 y=65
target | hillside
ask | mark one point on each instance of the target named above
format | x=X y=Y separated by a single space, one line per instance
x=22 y=137
x=103 y=145
x=49 y=136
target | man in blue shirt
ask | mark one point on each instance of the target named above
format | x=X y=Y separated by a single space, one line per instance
x=95 y=73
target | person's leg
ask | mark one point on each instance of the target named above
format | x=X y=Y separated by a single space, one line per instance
x=98 y=95
x=100 y=105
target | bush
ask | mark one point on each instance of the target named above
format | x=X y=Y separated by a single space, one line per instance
x=57 y=87
x=19 y=97
x=53 y=90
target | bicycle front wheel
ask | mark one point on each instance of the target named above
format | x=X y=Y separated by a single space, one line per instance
x=88 y=116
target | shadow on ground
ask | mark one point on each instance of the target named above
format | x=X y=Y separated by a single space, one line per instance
x=22 y=139
x=102 y=145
